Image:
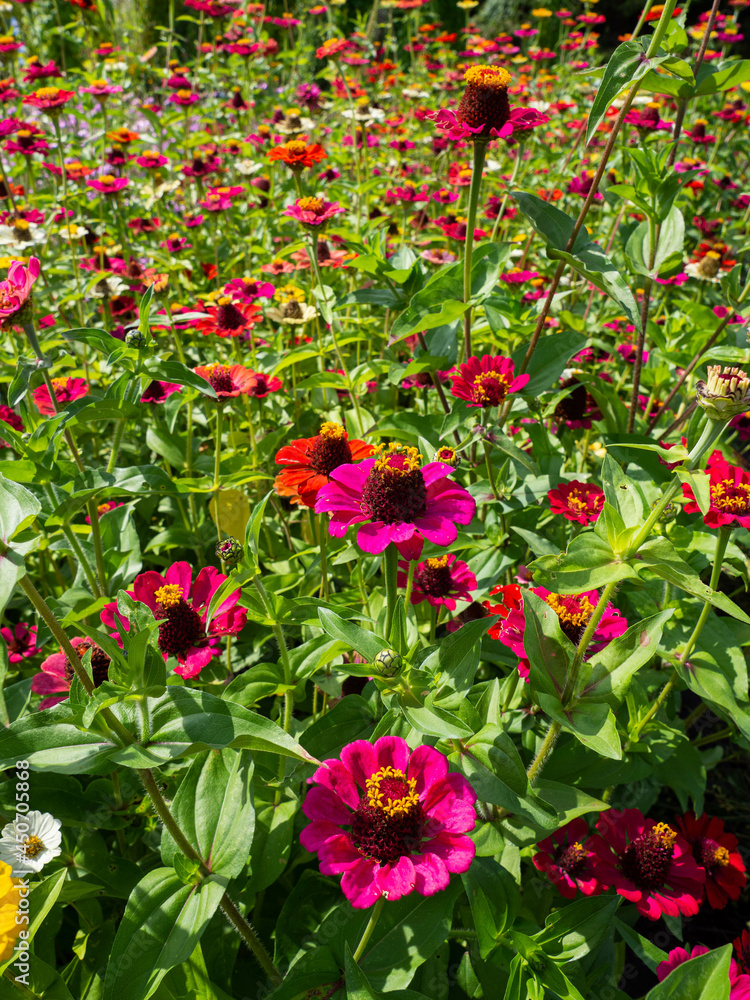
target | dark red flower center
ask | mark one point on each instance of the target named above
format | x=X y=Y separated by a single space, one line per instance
x=182 y=626
x=572 y=859
x=435 y=578
x=329 y=449
x=220 y=378
x=648 y=859
x=485 y=101
x=490 y=388
x=709 y=854
x=228 y=316
x=388 y=822
x=573 y=407
x=395 y=490
x=99 y=662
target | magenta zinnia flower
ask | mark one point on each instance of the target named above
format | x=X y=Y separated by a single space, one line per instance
x=486 y=382
x=181 y=605
x=739 y=982
x=390 y=820
x=56 y=673
x=567 y=862
x=402 y=502
x=66 y=390
x=16 y=289
x=648 y=863
x=441 y=581
x=21 y=641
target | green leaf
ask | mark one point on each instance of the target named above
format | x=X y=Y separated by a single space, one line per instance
x=702 y=978
x=495 y=901
x=18 y=508
x=646 y=950
x=578 y=928
x=722 y=76
x=175 y=371
x=431 y=720
x=549 y=360
x=627 y=64
x=214 y=809
x=588 y=564
x=20 y=385
x=611 y=670
x=367 y=644
x=163 y=922
x=548 y=649
x=358 y=987
x=660 y=557
x=591 y=722
x=700 y=483
x=252 y=534
x=492 y=765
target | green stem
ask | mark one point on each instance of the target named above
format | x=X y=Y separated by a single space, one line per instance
x=721 y=548
x=390 y=570
x=480 y=149
x=217 y=467
x=575 y=668
x=490 y=473
x=233 y=914
x=544 y=751
x=367 y=933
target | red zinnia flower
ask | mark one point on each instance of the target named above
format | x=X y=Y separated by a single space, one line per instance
x=21 y=641
x=440 y=581
x=486 y=382
x=511 y=599
x=567 y=862
x=229 y=320
x=729 y=491
x=263 y=385
x=309 y=462
x=715 y=850
x=227 y=380
x=297 y=154
x=577 y=501
x=648 y=863
x=49 y=99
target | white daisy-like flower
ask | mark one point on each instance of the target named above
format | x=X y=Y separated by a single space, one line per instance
x=21 y=234
x=30 y=841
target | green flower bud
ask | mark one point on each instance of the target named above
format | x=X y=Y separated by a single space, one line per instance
x=389 y=662
x=229 y=551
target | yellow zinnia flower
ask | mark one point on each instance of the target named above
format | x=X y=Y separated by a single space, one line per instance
x=9 y=900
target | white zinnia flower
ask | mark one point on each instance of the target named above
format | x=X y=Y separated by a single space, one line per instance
x=30 y=841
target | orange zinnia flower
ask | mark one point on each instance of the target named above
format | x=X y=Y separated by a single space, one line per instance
x=310 y=461
x=297 y=154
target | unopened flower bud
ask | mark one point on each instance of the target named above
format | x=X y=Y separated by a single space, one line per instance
x=389 y=662
x=670 y=512
x=229 y=551
x=135 y=339
x=724 y=394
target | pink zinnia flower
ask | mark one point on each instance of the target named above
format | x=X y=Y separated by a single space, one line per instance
x=729 y=493
x=183 y=97
x=648 y=863
x=108 y=184
x=577 y=501
x=440 y=581
x=313 y=212
x=66 y=390
x=391 y=820
x=50 y=99
x=181 y=605
x=401 y=502
x=567 y=862
x=101 y=89
x=9 y=416
x=151 y=159
x=486 y=382
x=21 y=641
x=16 y=289
x=57 y=674
x=247 y=291
x=104 y=508
x=739 y=982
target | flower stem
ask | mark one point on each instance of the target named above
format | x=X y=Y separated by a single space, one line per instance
x=233 y=914
x=721 y=548
x=575 y=668
x=390 y=570
x=480 y=149
x=544 y=751
x=367 y=933
x=217 y=467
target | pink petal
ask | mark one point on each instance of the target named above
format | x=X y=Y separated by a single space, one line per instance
x=397 y=880
x=359 y=884
x=181 y=573
x=323 y=804
x=428 y=767
x=392 y=750
x=318 y=833
x=374 y=537
x=338 y=779
x=431 y=875
x=359 y=759
x=456 y=851
x=434 y=471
